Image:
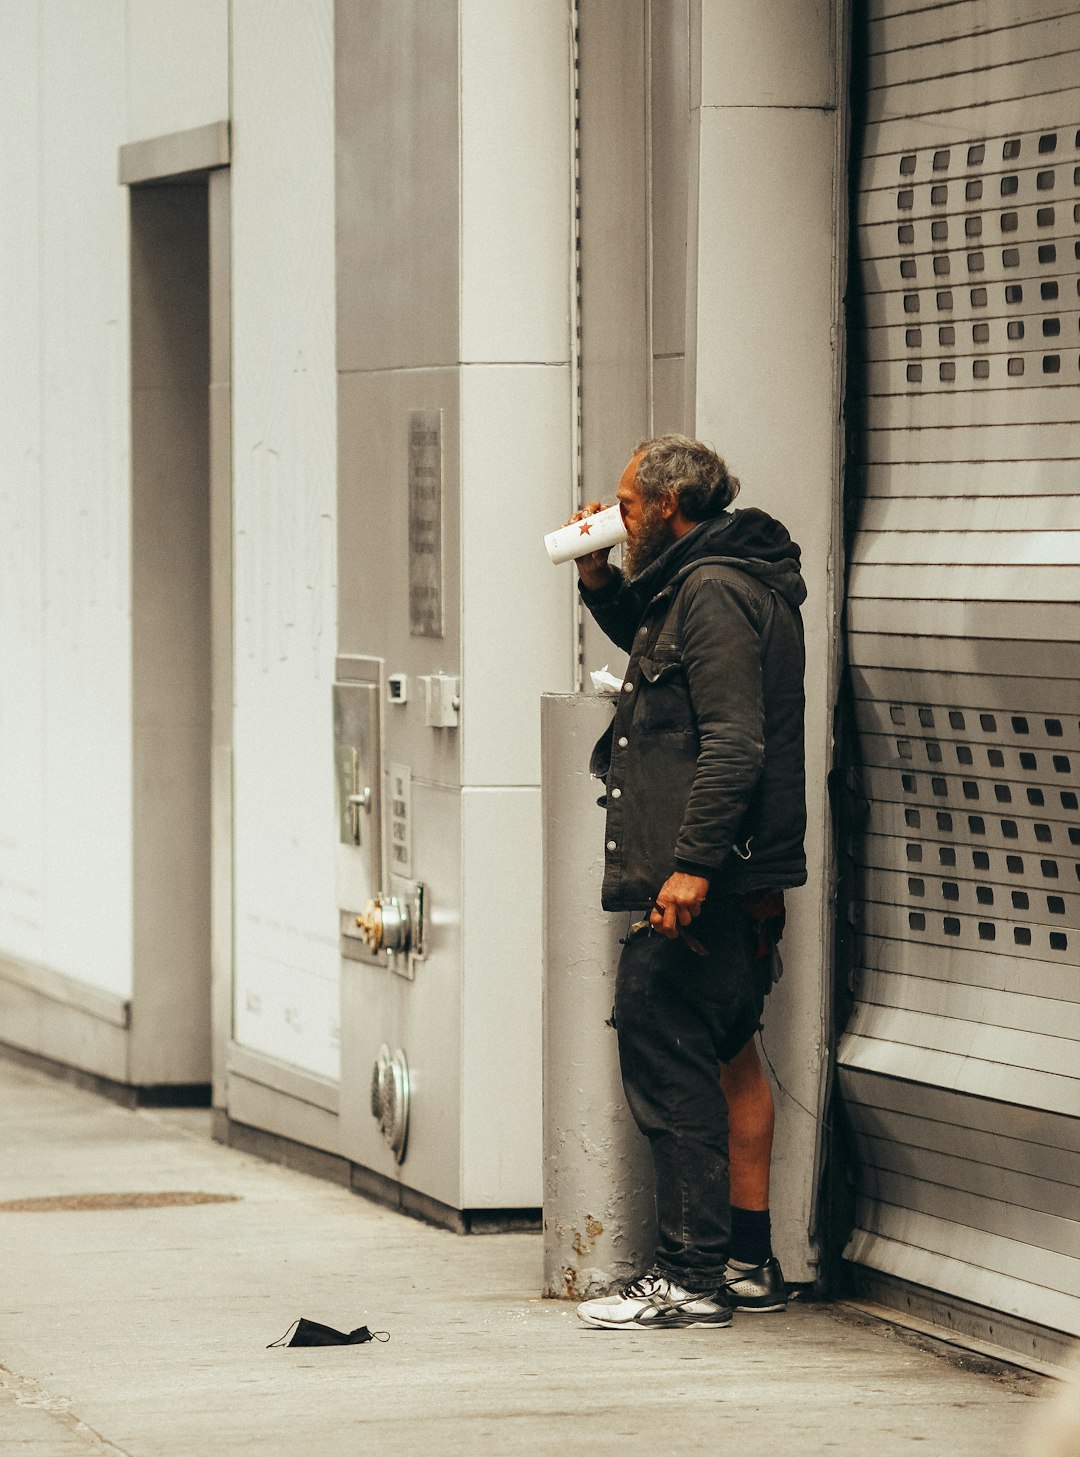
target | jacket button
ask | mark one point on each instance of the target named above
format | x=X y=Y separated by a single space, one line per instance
x=616 y=794
x=611 y=844
x=628 y=687
x=623 y=742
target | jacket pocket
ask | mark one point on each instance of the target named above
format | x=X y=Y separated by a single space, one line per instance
x=664 y=702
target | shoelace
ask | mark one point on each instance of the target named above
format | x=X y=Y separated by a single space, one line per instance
x=644 y=1285
x=652 y=1283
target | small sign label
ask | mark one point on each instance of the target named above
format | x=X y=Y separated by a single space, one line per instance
x=425 y=523
x=401 y=820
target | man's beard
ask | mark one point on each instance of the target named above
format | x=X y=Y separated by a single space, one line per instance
x=651 y=540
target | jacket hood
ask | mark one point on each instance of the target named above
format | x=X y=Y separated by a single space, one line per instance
x=750 y=540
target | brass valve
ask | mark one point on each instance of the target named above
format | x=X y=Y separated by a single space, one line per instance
x=384 y=924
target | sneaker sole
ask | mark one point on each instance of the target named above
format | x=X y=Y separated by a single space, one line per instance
x=659 y=1323
x=759 y=1309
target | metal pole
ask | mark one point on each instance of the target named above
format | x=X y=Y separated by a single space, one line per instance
x=599 y=1208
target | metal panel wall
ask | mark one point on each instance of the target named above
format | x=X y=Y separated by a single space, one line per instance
x=961 y=1062
x=287 y=971
x=453 y=272
x=65 y=604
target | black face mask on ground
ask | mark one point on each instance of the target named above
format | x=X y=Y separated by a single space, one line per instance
x=304 y=1332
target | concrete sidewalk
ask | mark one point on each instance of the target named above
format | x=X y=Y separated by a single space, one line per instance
x=142 y=1331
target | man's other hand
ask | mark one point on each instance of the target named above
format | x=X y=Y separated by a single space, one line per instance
x=678 y=902
x=593 y=568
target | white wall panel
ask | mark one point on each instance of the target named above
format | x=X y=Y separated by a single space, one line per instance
x=287 y=965
x=779 y=54
x=518 y=607
x=515 y=182
x=177 y=65
x=743 y=378
x=84 y=602
x=21 y=699
x=501 y=1056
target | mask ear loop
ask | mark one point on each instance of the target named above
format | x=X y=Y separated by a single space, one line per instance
x=284 y=1340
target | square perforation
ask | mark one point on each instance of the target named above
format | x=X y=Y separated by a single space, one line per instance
x=997 y=883
x=1020 y=205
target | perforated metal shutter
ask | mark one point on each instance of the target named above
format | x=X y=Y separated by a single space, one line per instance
x=961 y=1064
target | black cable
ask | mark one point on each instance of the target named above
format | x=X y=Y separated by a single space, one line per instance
x=826 y=1123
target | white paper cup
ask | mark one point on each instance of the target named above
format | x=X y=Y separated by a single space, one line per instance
x=591 y=533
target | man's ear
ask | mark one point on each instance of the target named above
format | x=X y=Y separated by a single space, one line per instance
x=669 y=504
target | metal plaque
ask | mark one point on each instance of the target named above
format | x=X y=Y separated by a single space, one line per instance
x=425 y=523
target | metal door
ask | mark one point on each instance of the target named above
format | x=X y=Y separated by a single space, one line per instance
x=961 y=1062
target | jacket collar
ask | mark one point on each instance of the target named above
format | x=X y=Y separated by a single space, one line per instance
x=660 y=578
x=749 y=540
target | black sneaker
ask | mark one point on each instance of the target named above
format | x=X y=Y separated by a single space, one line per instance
x=655 y=1300
x=760 y=1288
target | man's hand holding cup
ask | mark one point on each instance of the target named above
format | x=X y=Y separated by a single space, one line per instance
x=603 y=522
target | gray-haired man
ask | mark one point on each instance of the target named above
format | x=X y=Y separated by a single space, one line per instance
x=705 y=821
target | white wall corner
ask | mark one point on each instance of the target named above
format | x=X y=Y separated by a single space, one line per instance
x=515 y=192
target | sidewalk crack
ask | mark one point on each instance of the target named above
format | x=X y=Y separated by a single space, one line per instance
x=24 y=1393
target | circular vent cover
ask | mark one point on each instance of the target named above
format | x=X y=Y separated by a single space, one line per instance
x=390 y=1098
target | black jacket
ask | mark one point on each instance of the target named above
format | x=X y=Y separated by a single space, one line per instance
x=704 y=759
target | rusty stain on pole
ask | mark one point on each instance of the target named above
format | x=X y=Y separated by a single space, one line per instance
x=599 y=1209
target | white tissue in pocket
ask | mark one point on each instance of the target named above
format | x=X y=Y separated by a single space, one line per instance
x=605 y=683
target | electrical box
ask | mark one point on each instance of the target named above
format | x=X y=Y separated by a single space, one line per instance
x=442 y=700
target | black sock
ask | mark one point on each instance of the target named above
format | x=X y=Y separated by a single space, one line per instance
x=751 y=1236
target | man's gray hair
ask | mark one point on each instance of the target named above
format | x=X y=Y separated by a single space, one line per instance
x=687 y=469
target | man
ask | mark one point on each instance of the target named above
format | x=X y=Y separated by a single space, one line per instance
x=704 y=776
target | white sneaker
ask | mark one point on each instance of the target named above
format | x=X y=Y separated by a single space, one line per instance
x=655 y=1300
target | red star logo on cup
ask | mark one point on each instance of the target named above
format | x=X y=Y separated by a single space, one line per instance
x=586 y=528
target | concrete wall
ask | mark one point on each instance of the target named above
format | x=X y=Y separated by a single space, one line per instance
x=766 y=213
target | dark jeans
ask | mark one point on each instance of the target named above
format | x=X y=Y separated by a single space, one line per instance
x=679 y=1014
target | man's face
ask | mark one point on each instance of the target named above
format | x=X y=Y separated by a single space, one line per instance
x=648 y=530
